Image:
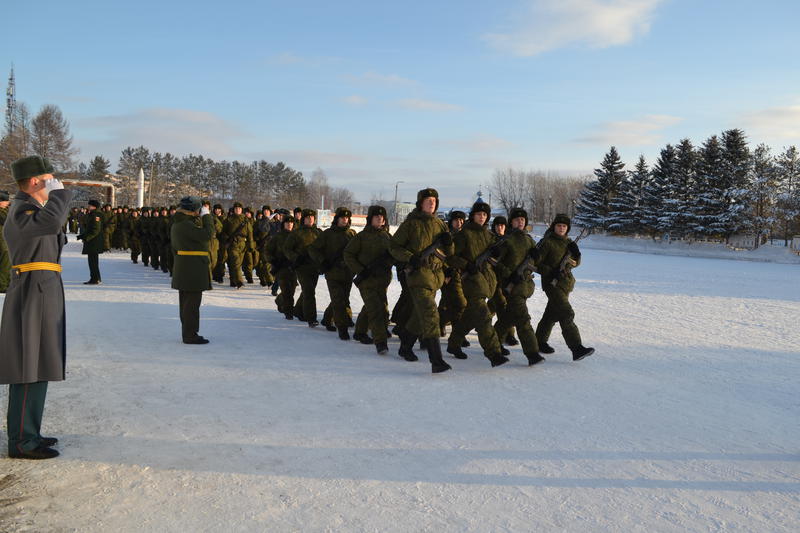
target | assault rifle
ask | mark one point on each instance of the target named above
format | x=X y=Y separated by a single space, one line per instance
x=366 y=272
x=488 y=256
x=564 y=266
x=432 y=250
x=528 y=263
x=235 y=234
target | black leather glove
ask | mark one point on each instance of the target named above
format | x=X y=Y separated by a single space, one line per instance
x=533 y=253
x=496 y=251
x=445 y=238
x=515 y=278
x=572 y=247
x=79 y=237
x=415 y=261
x=472 y=268
x=448 y=272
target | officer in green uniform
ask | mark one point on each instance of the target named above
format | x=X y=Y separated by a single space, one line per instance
x=33 y=325
x=423 y=243
x=514 y=268
x=479 y=283
x=367 y=255
x=5 y=264
x=282 y=268
x=238 y=236
x=327 y=251
x=296 y=250
x=190 y=235
x=93 y=241
x=554 y=250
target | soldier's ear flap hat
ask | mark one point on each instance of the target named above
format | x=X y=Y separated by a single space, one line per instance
x=341 y=212
x=308 y=213
x=217 y=206
x=517 y=212
x=427 y=193
x=30 y=166
x=191 y=203
x=94 y=203
x=499 y=220
x=375 y=210
x=481 y=207
x=561 y=218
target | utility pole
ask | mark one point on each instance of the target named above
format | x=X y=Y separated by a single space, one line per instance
x=394 y=214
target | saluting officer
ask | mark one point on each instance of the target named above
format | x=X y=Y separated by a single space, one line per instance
x=33 y=328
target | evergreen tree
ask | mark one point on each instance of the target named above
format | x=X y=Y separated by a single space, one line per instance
x=763 y=189
x=709 y=202
x=655 y=213
x=787 y=204
x=626 y=209
x=735 y=182
x=594 y=204
x=678 y=189
x=98 y=168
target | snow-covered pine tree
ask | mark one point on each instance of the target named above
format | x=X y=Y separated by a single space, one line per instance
x=593 y=205
x=735 y=182
x=787 y=205
x=678 y=190
x=763 y=189
x=654 y=209
x=626 y=209
x=709 y=202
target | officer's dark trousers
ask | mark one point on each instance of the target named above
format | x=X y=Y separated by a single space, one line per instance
x=189 y=302
x=94 y=267
x=25 y=408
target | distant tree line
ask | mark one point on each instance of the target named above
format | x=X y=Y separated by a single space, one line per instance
x=713 y=191
x=541 y=194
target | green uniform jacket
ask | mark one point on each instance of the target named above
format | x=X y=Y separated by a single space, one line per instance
x=92 y=235
x=551 y=250
x=237 y=240
x=213 y=246
x=277 y=257
x=517 y=245
x=190 y=233
x=470 y=242
x=417 y=232
x=328 y=253
x=369 y=249
x=296 y=249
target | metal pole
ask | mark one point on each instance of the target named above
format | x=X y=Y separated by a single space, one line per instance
x=395 y=201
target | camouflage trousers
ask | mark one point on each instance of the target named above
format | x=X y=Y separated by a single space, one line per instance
x=515 y=314
x=559 y=310
x=375 y=313
x=476 y=316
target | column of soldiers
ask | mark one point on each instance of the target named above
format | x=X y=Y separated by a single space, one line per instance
x=481 y=272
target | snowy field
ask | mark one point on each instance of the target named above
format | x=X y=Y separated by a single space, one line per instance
x=686 y=419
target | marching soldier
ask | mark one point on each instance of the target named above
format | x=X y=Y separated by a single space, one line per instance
x=423 y=243
x=154 y=238
x=134 y=240
x=261 y=234
x=32 y=330
x=327 y=251
x=282 y=268
x=248 y=259
x=452 y=301
x=514 y=268
x=296 y=250
x=238 y=236
x=479 y=283
x=367 y=254
x=218 y=273
x=558 y=255
x=190 y=236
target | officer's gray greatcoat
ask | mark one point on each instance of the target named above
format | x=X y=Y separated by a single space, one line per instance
x=33 y=329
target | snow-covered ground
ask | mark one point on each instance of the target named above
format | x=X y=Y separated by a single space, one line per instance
x=686 y=418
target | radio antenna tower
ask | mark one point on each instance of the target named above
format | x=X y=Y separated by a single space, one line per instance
x=11 y=102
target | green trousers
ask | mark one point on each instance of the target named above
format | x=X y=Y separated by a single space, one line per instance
x=559 y=310
x=24 y=419
x=476 y=316
x=306 y=306
x=287 y=282
x=515 y=314
x=340 y=313
x=375 y=313
x=424 y=320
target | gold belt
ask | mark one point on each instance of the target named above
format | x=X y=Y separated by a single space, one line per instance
x=41 y=265
x=188 y=252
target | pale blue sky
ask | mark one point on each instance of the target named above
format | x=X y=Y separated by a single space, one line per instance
x=432 y=93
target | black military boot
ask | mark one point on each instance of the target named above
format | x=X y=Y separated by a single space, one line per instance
x=465 y=343
x=546 y=348
x=511 y=340
x=580 y=352
x=288 y=316
x=504 y=350
x=497 y=359
x=363 y=338
x=435 y=356
x=313 y=323
x=382 y=348
x=534 y=358
x=343 y=334
x=457 y=352
x=406 y=351
x=275 y=288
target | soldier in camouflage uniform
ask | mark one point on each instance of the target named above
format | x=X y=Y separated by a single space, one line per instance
x=134 y=242
x=422 y=233
x=557 y=283
x=249 y=259
x=479 y=283
x=261 y=234
x=238 y=238
x=452 y=302
x=296 y=250
x=154 y=238
x=109 y=225
x=142 y=230
x=367 y=255
x=218 y=274
x=165 y=238
x=282 y=268
x=328 y=253
x=514 y=268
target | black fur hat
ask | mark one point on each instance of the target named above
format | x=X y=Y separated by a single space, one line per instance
x=308 y=213
x=428 y=193
x=341 y=212
x=561 y=218
x=481 y=207
x=375 y=210
x=517 y=212
x=499 y=220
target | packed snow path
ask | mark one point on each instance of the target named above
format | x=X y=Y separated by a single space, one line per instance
x=686 y=418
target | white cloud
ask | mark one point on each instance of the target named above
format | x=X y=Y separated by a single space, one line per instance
x=178 y=131
x=374 y=78
x=355 y=100
x=416 y=104
x=640 y=132
x=552 y=24
x=774 y=123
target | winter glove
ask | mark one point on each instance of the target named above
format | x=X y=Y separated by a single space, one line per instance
x=53 y=184
x=533 y=253
x=572 y=247
x=79 y=237
x=515 y=278
x=472 y=268
x=415 y=261
x=448 y=272
x=204 y=211
x=445 y=238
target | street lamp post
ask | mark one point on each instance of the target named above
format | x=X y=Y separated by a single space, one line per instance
x=395 y=201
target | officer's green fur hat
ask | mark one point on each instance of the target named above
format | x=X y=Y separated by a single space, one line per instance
x=191 y=203
x=427 y=193
x=30 y=166
x=517 y=212
x=561 y=218
x=481 y=207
